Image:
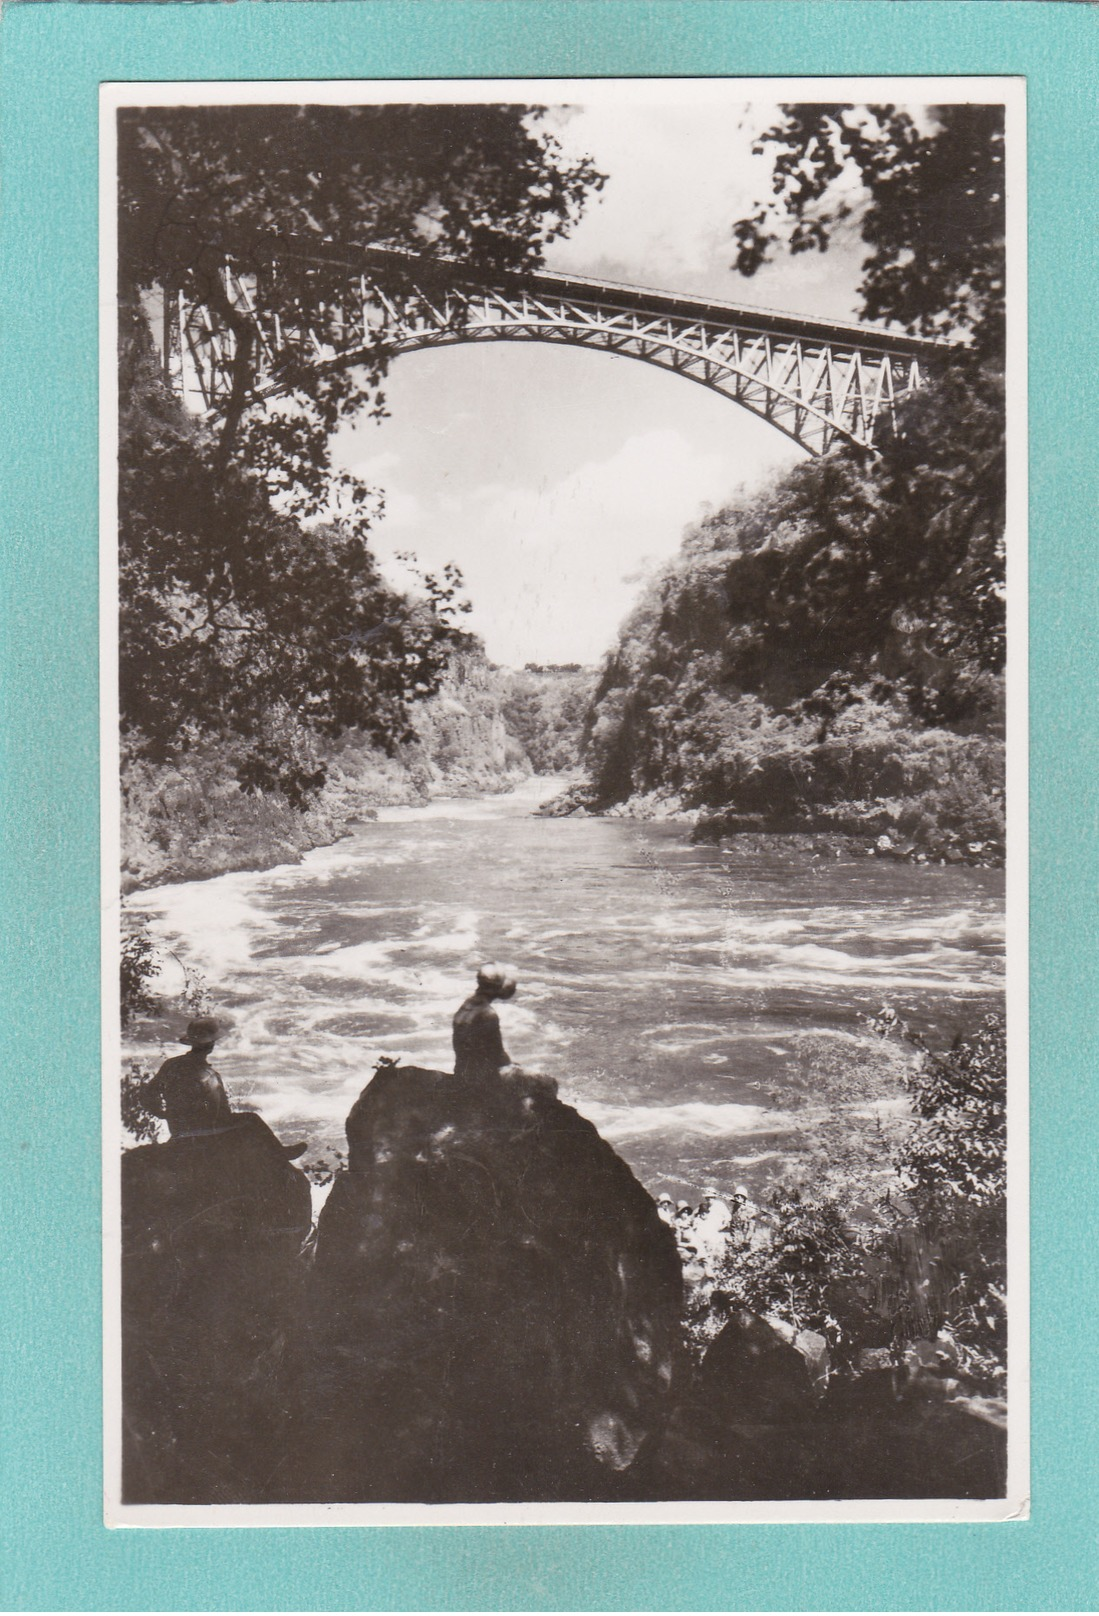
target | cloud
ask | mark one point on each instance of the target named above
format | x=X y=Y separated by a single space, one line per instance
x=678 y=176
x=371 y=468
x=403 y=509
x=553 y=571
x=676 y=180
x=556 y=479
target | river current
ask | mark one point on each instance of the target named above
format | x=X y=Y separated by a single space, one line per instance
x=673 y=991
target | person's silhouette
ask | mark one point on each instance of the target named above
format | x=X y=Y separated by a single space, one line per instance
x=479 y=1051
x=187 y=1092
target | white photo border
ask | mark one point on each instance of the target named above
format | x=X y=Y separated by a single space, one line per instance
x=1008 y=91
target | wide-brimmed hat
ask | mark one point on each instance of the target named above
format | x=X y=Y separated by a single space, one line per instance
x=201 y=1030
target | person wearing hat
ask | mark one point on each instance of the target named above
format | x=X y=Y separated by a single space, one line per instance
x=187 y=1092
x=478 y=1043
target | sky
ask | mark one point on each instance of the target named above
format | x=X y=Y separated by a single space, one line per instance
x=558 y=479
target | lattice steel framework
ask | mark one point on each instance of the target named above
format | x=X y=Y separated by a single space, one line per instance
x=815 y=381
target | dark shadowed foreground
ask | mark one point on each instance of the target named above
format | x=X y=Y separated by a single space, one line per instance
x=491 y=1310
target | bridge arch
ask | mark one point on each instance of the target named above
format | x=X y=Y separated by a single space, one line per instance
x=817 y=382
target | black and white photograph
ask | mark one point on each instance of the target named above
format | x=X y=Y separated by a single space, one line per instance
x=563 y=619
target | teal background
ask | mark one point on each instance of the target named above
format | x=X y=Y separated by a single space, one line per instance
x=58 y=1554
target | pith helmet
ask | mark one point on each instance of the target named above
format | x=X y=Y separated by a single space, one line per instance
x=202 y=1030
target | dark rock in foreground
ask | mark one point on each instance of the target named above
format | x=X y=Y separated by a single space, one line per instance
x=493 y=1314
x=753 y=1428
x=211 y=1231
x=495 y=1304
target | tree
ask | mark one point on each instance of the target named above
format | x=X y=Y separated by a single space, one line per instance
x=241 y=624
x=958 y=1148
x=928 y=202
x=202 y=186
x=248 y=616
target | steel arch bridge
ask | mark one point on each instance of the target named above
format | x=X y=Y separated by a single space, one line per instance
x=816 y=381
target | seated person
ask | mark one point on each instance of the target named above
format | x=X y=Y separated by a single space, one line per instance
x=187 y=1092
x=478 y=1043
x=479 y=1053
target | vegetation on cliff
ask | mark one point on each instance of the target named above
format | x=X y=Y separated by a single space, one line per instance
x=545 y=708
x=482 y=731
x=267 y=672
x=826 y=653
x=829 y=652
x=250 y=620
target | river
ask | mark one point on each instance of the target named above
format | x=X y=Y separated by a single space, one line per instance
x=680 y=995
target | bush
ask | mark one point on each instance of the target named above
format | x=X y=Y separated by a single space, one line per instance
x=137 y=967
x=140 y=1123
x=925 y=1261
x=829 y=650
x=544 y=710
x=958 y=1149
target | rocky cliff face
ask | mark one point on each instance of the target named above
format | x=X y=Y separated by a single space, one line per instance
x=464 y=743
x=492 y=1310
x=193 y=820
x=495 y=1298
x=753 y=1426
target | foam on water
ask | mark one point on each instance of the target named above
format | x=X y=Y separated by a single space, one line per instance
x=523 y=799
x=619 y=1123
x=665 y=986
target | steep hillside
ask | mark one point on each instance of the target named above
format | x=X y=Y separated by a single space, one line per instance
x=483 y=731
x=545 y=708
x=829 y=652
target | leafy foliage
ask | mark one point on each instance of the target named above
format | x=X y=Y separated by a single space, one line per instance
x=138 y=965
x=240 y=623
x=200 y=186
x=251 y=620
x=545 y=708
x=140 y=1123
x=953 y=1170
x=805 y=1274
x=922 y=1261
x=189 y=818
x=928 y=202
x=831 y=648
x=958 y=1149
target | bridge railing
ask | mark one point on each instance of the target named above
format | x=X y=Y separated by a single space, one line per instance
x=816 y=381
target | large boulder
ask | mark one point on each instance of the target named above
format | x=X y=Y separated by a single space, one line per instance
x=495 y=1304
x=211 y=1231
x=755 y=1426
x=744 y=1428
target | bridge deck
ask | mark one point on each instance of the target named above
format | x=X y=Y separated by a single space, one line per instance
x=640 y=300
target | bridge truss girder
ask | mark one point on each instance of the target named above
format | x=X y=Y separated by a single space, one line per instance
x=816 y=387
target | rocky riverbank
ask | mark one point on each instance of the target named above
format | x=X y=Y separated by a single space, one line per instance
x=194 y=819
x=482 y=734
x=196 y=827
x=857 y=835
